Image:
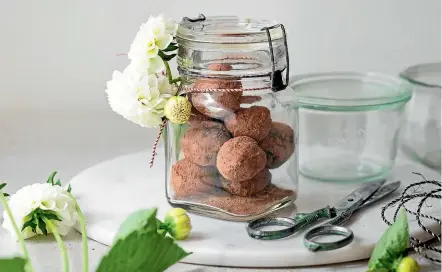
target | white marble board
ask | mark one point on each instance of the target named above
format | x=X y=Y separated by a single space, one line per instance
x=108 y=192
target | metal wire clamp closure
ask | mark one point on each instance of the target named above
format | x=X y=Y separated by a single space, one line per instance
x=276 y=76
x=200 y=17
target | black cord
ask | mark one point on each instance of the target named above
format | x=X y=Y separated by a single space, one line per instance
x=416 y=191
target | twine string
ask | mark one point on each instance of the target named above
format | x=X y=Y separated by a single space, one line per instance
x=411 y=193
x=154 y=149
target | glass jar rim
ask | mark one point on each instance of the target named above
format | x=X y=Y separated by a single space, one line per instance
x=376 y=91
x=412 y=74
x=227 y=30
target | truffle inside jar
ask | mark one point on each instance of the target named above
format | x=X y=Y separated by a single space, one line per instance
x=189 y=179
x=217 y=104
x=240 y=159
x=202 y=142
x=279 y=145
x=196 y=117
x=248 y=187
x=254 y=122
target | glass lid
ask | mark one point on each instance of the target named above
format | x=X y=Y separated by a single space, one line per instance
x=427 y=74
x=349 y=91
x=227 y=29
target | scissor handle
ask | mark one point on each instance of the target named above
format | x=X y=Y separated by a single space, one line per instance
x=330 y=227
x=306 y=219
x=293 y=225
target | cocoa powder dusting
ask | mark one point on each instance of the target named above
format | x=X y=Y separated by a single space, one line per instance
x=248 y=187
x=254 y=122
x=220 y=104
x=189 y=179
x=240 y=158
x=196 y=117
x=248 y=205
x=279 y=145
x=201 y=142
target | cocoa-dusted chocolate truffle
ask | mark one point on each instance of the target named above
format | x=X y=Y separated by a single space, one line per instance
x=240 y=159
x=279 y=144
x=254 y=122
x=189 y=179
x=216 y=104
x=196 y=117
x=201 y=143
x=248 y=187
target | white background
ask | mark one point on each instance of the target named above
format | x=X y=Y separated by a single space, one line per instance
x=55 y=53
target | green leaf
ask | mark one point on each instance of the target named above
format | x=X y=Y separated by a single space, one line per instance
x=51 y=216
x=16 y=264
x=42 y=226
x=392 y=245
x=69 y=188
x=27 y=224
x=171 y=47
x=169 y=57
x=143 y=221
x=142 y=251
x=51 y=177
x=166 y=57
x=6 y=194
x=58 y=182
x=2 y=185
x=178 y=131
x=35 y=218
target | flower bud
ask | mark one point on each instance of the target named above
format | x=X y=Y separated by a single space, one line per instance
x=177 y=109
x=178 y=223
x=408 y=264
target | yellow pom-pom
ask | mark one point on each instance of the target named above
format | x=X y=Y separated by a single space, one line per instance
x=178 y=223
x=408 y=264
x=177 y=109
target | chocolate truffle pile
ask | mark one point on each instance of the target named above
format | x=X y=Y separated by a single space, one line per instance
x=231 y=147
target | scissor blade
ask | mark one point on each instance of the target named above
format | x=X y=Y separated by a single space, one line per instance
x=358 y=196
x=381 y=193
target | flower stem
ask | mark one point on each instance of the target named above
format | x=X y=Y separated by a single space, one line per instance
x=60 y=243
x=168 y=72
x=17 y=231
x=83 y=235
x=176 y=80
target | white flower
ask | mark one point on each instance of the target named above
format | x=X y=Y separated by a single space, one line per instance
x=154 y=35
x=42 y=196
x=139 y=98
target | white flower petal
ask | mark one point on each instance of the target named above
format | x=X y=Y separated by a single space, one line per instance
x=171 y=27
x=152 y=81
x=165 y=87
x=47 y=205
x=43 y=196
x=163 y=41
x=156 y=65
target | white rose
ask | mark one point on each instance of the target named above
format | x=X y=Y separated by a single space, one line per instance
x=139 y=98
x=42 y=196
x=154 y=35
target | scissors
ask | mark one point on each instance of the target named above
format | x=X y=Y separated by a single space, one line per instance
x=344 y=209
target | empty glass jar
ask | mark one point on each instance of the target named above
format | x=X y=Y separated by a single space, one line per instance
x=349 y=124
x=422 y=138
x=236 y=158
